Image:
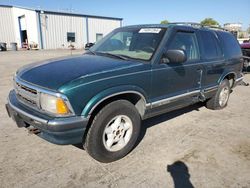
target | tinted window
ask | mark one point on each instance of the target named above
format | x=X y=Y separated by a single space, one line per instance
x=187 y=42
x=230 y=44
x=210 y=45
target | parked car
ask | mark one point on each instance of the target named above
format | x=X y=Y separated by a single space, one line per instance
x=245 y=47
x=136 y=72
x=88 y=45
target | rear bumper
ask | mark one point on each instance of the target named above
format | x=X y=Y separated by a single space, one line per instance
x=68 y=130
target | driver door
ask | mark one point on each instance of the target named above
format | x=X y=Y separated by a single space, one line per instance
x=177 y=84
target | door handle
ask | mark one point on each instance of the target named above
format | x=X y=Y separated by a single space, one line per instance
x=199 y=71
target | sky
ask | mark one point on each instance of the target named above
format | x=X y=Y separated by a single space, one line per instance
x=153 y=11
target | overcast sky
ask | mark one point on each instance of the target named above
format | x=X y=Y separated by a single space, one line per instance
x=153 y=11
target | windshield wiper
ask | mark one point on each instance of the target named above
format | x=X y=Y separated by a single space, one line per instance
x=114 y=55
x=92 y=52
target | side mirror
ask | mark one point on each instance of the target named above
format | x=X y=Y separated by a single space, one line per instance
x=175 y=56
x=89 y=45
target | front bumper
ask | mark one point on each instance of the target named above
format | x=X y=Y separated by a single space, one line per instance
x=68 y=130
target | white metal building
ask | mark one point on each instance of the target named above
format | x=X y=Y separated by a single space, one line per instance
x=233 y=26
x=51 y=29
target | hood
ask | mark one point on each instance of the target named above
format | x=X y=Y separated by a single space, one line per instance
x=55 y=73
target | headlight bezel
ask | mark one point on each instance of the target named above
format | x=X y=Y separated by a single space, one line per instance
x=58 y=96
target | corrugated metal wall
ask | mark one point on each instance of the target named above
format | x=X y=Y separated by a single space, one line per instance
x=7 y=31
x=101 y=26
x=55 y=27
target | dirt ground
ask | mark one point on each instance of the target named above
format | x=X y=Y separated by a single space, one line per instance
x=192 y=147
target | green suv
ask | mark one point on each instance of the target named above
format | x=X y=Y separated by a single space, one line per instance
x=100 y=98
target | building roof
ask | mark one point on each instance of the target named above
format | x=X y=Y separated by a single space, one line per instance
x=78 y=14
x=64 y=13
x=238 y=23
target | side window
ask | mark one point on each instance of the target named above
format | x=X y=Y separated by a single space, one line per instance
x=210 y=46
x=186 y=41
x=71 y=37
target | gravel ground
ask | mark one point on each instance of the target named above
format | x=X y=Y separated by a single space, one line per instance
x=192 y=147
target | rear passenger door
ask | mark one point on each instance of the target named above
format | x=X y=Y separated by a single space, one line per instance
x=212 y=58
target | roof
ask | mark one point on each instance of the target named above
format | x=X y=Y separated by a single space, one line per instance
x=64 y=13
x=179 y=24
x=148 y=26
x=6 y=6
x=11 y=6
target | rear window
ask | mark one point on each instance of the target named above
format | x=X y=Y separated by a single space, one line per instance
x=210 y=46
x=230 y=45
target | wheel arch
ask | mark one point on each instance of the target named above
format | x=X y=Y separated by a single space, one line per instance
x=231 y=76
x=133 y=94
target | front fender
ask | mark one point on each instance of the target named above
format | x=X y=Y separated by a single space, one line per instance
x=111 y=92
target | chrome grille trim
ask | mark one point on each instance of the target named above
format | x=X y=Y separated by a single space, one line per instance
x=26 y=88
x=32 y=93
x=26 y=94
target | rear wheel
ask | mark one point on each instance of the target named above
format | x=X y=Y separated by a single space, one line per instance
x=220 y=99
x=113 y=132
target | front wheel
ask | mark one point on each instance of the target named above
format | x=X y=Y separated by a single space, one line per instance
x=220 y=99
x=113 y=132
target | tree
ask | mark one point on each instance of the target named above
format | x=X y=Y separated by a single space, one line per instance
x=164 y=22
x=248 y=30
x=241 y=35
x=209 y=22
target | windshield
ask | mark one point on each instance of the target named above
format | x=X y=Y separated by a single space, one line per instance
x=131 y=43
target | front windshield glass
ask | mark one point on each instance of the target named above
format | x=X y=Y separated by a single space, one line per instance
x=131 y=43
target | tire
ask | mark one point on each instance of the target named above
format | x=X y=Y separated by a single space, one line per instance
x=113 y=132
x=219 y=101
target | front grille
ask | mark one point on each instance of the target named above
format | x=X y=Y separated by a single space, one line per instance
x=26 y=88
x=26 y=94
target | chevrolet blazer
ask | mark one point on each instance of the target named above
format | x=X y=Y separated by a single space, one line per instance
x=136 y=72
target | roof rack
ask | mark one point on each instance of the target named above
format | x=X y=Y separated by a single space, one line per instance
x=215 y=27
x=197 y=25
x=187 y=23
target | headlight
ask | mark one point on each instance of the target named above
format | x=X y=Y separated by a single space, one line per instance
x=54 y=104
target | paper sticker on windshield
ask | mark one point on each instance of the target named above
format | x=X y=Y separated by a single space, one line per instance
x=150 y=30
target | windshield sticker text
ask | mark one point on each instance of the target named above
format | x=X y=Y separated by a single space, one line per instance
x=150 y=30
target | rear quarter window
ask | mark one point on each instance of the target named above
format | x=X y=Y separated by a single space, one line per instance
x=230 y=45
x=210 y=46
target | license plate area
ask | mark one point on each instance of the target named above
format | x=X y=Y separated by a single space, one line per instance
x=16 y=117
